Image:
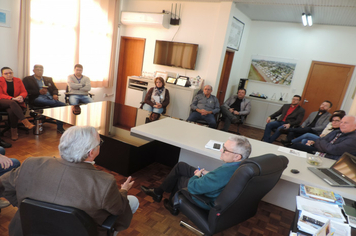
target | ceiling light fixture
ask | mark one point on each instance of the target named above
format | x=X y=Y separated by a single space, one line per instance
x=310 y=20
x=304 y=19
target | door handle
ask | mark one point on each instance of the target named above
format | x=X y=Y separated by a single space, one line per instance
x=305 y=100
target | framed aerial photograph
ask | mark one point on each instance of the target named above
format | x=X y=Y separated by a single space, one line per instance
x=272 y=70
x=237 y=29
x=5 y=18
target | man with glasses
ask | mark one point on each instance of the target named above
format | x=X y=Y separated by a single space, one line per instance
x=200 y=181
x=71 y=180
x=336 y=143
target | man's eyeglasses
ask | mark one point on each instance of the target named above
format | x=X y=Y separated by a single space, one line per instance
x=8 y=73
x=101 y=142
x=225 y=150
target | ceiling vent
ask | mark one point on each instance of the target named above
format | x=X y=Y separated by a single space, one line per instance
x=146 y=19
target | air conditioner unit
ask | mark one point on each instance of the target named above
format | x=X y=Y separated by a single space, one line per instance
x=146 y=19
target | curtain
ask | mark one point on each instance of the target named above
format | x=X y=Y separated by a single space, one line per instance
x=66 y=32
x=23 y=41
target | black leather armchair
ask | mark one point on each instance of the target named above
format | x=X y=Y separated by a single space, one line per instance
x=240 y=197
x=42 y=218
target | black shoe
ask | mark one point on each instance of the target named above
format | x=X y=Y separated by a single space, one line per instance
x=286 y=143
x=169 y=206
x=4 y=144
x=150 y=192
x=61 y=131
x=284 y=131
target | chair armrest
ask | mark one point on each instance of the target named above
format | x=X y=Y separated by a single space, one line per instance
x=201 y=198
x=109 y=222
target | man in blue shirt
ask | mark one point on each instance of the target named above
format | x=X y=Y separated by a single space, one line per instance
x=205 y=106
x=43 y=92
x=202 y=182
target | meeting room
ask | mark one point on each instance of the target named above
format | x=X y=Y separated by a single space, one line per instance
x=155 y=117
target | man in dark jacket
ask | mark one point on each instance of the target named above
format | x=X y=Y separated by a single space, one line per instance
x=235 y=109
x=289 y=116
x=315 y=123
x=335 y=143
x=42 y=91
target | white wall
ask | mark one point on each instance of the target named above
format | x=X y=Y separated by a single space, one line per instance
x=201 y=23
x=8 y=45
x=333 y=44
x=239 y=56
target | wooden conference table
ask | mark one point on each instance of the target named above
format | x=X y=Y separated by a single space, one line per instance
x=191 y=140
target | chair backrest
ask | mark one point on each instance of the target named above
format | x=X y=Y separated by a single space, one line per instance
x=249 y=184
x=42 y=218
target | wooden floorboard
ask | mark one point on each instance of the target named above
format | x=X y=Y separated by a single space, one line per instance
x=151 y=218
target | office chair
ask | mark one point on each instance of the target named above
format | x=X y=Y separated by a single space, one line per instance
x=42 y=218
x=239 y=200
x=35 y=111
x=241 y=121
x=6 y=127
x=66 y=94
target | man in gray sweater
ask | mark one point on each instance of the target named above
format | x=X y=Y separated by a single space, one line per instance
x=79 y=86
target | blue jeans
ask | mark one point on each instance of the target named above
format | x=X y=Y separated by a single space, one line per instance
x=46 y=101
x=305 y=137
x=268 y=130
x=15 y=162
x=210 y=118
x=76 y=99
x=152 y=109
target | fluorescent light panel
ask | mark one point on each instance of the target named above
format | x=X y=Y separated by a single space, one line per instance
x=304 y=19
x=310 y=20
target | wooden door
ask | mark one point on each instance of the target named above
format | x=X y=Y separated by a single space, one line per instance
x=130 y=63
x=326 y=81
x=225 y=76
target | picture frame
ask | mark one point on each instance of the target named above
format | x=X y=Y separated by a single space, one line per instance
x=235 y=36
x=171 y=80
x=161 y=74
x=182 y=80
x=5 y=18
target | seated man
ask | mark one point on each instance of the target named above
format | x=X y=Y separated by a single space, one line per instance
x=43 y=92
x=235 y=109
x=315 y=123
x=335 y=143
x=71 y=180
x=334 y=124
x=205 y=106
x=79 y=86
x=199 y=181
x=290 y=115
x=6 y=164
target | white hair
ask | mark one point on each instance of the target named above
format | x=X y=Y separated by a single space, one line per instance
x=242 y=146
x=76 y=143
x=354 y=117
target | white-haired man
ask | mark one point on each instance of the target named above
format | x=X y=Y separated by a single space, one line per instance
x=336 y=142
x=71 y=180
x=199 y=181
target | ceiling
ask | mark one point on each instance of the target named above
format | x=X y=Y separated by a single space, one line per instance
x=324 y=12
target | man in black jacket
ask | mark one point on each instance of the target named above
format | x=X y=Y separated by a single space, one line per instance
x=289 y=116
x=43 y=92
